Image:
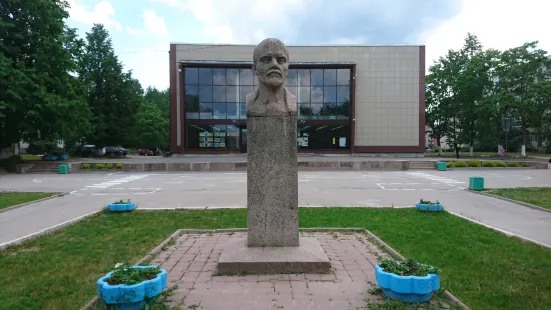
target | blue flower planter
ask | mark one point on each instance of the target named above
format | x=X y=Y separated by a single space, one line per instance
x=435 y=207
x=407 y=288
x=131 y=297
x=121 y=207
x=49 y=157
x=63 y=157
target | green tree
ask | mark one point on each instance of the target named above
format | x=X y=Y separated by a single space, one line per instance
x=151 y=126
x=438 y=108
x=160 y=98
x=520 y=71
x=39 y=96
x=113 y=95
x=469 y=87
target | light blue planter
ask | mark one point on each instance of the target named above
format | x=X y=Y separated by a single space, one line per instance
x=435 y=207
x=121 y=207
x=49 y=157
x=131 y=297
x=63 y=157
x=407 y=288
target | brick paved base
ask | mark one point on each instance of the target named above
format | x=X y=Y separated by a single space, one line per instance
x=191 y=264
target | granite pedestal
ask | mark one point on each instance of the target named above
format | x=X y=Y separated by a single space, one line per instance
x=273 y=244
x=308 y=257
x=272 y=181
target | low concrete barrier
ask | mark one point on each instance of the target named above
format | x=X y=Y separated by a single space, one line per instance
x=303 y=165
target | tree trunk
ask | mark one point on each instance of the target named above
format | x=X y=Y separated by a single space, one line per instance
x=471 y=148
x=523 y=148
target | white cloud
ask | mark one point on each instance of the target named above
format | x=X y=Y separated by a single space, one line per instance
x=221 y=19
x=149 y=65
x=154 y=23
x=133 y=31
x=101 y=13
x=498 y=24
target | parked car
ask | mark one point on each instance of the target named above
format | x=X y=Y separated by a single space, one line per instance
x=109 y=150
x=144 y=152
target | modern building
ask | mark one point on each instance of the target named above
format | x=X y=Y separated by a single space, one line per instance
x=351 y=99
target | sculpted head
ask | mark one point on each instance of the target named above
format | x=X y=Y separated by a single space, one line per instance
x=271 y=63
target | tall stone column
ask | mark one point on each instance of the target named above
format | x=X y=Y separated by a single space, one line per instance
x=272 y=181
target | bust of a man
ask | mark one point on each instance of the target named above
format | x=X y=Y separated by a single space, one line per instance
x=271 y=97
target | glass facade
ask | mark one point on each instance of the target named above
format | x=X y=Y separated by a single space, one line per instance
x=218 y=95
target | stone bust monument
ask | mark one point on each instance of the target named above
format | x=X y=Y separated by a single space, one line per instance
x=271 y=97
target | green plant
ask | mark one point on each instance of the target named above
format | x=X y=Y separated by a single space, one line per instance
x=512 y=164
x=488 y=163
x=450 y=164
x=408 y=267
x=460 y=164
x=501 y=164
x=127 y=275
x=10 y=163
x=474 y=163
x=524 y=165
x=85 y=166
x=118 y=165
x=99 y=166
x=109 y=166
x=428 y=202
x=122 y=202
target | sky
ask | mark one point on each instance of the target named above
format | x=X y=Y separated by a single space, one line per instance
x=142 y=30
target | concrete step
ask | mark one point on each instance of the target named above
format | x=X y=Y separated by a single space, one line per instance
x=422 y=165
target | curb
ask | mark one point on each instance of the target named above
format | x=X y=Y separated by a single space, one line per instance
x=93 y=302
x=506 y=233
x=513 y=201
x=31 y=202
x=47 y=231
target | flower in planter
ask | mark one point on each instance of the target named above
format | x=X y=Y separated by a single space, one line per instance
x=132 y=287
x=427 y=205
x=408 y=280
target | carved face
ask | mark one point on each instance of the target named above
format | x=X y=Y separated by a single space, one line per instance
x=272 y=66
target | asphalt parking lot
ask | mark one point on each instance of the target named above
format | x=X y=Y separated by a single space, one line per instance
x=92 y=191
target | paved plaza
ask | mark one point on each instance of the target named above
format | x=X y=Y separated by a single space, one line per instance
x=91 y=191
x=191 y=265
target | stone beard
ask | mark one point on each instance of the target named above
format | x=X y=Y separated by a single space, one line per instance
x=271 y=97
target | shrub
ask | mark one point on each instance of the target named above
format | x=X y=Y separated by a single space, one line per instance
x=460 y=164
x=488 y=163
x=450 y=164
x=512 y=164
x=474 y=163
x=119 y=166
x=99 y=166
x=109 y=166
x=85 y=166
x=10 y=163
x=500 y=164
x=524 y=165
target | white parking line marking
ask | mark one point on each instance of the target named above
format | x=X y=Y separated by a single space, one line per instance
x=380 y=186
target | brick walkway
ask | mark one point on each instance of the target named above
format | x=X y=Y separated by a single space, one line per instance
x=191 y=264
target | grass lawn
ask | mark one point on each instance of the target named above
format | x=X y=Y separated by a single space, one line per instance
x=485 y=269
x=539 y=196
x=31 y=157
x=12 y=199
